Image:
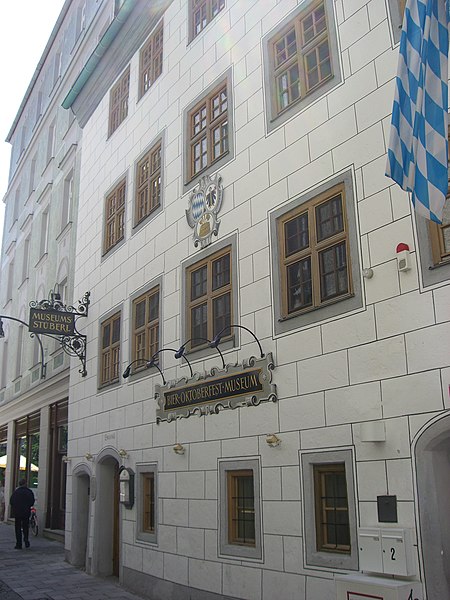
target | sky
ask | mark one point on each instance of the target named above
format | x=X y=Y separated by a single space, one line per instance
x=25 y=27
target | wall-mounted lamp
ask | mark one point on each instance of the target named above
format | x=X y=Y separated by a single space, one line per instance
x=123 y=453
x=89 y=456
x=148 y=364
x=126 y=487
x=182 y=349
x=273 y=440
x=217 y=338
x=179 y=449
x=152 y=362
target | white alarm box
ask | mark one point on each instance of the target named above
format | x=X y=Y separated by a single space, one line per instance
x=365 y=587
x=388 y=551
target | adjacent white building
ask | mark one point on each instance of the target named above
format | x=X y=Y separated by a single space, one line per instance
x=37 y=257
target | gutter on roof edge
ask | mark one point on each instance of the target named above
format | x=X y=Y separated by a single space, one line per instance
x=99 y=52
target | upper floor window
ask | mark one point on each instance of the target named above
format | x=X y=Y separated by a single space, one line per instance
x=209 y=294
x=114 y=217
x=313 y=247
x=110 y=351
x=145 y=338
x=440 y=237
x=302 y=58
x=148 y=187
x=203 y=12
x=118 y=102
x=150 y=60
x=208 y=130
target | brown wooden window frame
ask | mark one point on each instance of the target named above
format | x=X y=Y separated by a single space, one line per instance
x=110 y=353
x=114 y=216
x=237 y=510
x=209 y=297
x=297 y=61
x=322 y=508
x=118 y=102
x=151 y=60
x=313 y=251
x=440 y=254
x=150 y=329
x=206 y=118
x=148 y=183
x=201 y=13
x=148 y=480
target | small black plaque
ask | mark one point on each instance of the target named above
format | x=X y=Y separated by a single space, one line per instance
x=387 y=509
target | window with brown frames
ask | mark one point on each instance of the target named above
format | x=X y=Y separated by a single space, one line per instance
x=301 y=57
x=148 y=502
x=440 y=234
x=118 y=102
x=332 y=517
x=209 y=297
x=114 y=217
x=208 y=131
x=148 y=189
x=145 y=327
x=110 y=336
x=150 y=60
x=203 y=12
x=241 y=508
x=314 y=251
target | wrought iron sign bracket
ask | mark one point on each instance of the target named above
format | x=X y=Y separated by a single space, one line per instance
x=54 y=319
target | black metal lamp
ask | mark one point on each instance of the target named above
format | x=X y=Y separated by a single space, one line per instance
x=127 y=371
x=182 y=349
x=151 y=362
x=217 y=338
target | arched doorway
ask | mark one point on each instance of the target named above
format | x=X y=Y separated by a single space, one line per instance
x=432 y=458
x=81 y=491
x=106 y=556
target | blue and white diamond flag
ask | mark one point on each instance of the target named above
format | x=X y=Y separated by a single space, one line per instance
x=418 y=145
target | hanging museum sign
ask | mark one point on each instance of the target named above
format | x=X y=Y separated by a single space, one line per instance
x=242 y=384
x=51 y=322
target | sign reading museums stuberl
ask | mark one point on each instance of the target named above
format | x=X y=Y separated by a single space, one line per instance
x=245 y=384
x=51 y=322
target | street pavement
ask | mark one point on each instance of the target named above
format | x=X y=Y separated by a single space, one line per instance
x=40 y=573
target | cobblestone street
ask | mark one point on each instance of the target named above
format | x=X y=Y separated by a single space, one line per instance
x=40 y=573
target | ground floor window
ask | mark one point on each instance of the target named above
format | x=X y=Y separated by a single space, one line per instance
x=56 y=511
x=147 y=502
x=240 y=511
x=329 y=509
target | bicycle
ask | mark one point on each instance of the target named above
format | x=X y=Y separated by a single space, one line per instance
x=33 y=521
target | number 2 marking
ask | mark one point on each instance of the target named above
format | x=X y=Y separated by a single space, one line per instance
x=392 y=553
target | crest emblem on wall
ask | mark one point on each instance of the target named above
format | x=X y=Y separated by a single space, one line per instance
x=205 y=201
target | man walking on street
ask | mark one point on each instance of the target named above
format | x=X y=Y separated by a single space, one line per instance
x=22 y=499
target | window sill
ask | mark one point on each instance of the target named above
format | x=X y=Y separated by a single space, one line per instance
x=41 y=261
x=443 y=263
x=67 y=227
x=315 y=308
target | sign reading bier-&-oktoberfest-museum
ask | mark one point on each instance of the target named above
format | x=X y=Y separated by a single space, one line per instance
x=244 y=384
x=51 y=322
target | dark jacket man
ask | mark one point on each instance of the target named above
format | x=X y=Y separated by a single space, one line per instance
x=22 y=499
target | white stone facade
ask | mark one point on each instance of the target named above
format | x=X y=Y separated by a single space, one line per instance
x=386 y=361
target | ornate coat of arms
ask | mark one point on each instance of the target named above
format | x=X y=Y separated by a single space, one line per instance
x=205 y=201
